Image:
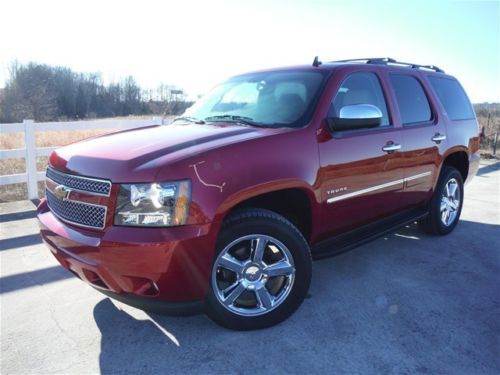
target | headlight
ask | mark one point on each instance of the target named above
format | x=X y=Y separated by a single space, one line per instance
x=153 y=205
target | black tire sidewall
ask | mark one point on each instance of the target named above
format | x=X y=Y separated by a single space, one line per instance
x=265 y=223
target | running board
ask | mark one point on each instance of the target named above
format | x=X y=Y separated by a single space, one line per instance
x=359 y=236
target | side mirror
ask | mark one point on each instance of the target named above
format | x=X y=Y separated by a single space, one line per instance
x=357 y=116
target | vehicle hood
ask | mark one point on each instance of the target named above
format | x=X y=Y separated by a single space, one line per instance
x=136 y=155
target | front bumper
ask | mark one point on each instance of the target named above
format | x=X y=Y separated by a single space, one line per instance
x=136 y=265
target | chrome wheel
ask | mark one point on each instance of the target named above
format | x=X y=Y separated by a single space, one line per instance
x=253 y=275
x=450 y=202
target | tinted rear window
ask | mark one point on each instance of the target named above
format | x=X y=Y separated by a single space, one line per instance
x=412 y=101
x=453 y=98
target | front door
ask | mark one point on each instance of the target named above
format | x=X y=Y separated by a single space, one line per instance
x=361 y=170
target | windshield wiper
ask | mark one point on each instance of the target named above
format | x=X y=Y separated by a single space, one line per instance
x=189 y=119
x=241 y=119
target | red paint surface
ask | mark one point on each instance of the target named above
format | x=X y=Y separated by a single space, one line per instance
x=229 y=164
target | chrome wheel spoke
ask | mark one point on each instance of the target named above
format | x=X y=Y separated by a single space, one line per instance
x=259 y=247
x=452 y=187
x=447 y=194
x=453 y=204
x=264 y=298
x=230 y=287
x=231 y=263
x=249 y=285
x=443 y=206
x=281 y=268
x=444 y=216
x=233 y=296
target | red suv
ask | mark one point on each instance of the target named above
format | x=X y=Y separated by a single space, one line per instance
x=222 y=210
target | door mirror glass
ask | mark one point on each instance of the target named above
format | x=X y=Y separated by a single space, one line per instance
x=356 y=116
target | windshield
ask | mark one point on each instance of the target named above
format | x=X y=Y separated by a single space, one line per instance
x=273 y=99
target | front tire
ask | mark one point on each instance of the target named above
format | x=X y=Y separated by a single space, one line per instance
x=261 y=272
x=446 y=203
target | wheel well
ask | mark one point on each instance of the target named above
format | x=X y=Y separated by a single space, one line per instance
x=292 y=204
x=460 y=161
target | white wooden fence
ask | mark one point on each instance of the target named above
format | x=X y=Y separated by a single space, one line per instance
x=30 y=151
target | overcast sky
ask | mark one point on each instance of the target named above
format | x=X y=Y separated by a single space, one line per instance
x=195 y=44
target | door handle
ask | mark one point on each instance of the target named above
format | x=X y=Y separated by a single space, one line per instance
x=438 y=138
x=390 y=148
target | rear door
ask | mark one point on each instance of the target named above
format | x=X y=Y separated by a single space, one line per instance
x=423 y=135
x=361 y=172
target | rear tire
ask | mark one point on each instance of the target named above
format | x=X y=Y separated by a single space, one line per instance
x=261 y=272
x=446 y=203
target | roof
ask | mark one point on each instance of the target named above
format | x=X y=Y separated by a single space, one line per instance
x=332 y=65
x=381 y=61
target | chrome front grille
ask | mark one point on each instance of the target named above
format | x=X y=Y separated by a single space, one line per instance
x=66 y=205
x=78 y=213
x=85 y=184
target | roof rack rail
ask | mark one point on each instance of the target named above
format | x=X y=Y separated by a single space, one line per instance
x=389 y=61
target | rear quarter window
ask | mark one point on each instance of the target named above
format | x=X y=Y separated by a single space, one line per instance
x=453 y=98
x=412 y=101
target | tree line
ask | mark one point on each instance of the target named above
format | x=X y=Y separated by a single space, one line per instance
x=50 y=93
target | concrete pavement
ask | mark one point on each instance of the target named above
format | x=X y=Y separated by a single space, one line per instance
x=406 y=303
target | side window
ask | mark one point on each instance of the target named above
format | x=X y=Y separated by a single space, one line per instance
x=412 y=101
x=360 y=88
x=453 y=98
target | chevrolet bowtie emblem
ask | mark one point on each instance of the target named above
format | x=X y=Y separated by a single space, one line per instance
x=62 y=192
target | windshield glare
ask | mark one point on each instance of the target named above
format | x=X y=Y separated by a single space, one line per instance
x=269 y=99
